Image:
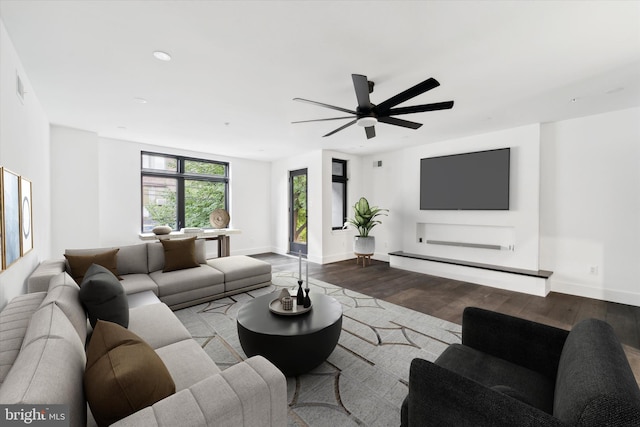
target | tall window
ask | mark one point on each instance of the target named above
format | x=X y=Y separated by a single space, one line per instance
x=339 y=193
x=181 y=191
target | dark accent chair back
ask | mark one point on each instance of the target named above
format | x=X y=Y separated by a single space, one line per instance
x=595 y=386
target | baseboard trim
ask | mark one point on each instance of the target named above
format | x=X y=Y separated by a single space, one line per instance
x=579 y=289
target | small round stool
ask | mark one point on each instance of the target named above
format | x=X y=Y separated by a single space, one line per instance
x=364 y=257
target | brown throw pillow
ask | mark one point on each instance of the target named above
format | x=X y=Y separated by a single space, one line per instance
x=79 y=264
x=123 y=374
x=179 y=254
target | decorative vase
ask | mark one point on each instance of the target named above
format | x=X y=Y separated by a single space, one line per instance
x=300 y=294
x=364 y=245
x=307 y=300
x=160 y=230
x=219 y=218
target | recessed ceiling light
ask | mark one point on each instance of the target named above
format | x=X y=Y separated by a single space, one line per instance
x=162 y=56
x=140 y=100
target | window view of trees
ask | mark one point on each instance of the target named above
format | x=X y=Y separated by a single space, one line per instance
x=181 y=192
x=300 y=208
x=159 y=203
x=200 y=199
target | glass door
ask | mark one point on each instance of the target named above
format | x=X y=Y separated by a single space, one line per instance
x=298 y=211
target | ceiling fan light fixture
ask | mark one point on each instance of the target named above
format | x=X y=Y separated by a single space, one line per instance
x=366 y=122
x=162 y=56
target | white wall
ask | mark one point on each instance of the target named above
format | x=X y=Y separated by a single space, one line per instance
x=324 y=244
x=383 y=186
x=338 y=244
x=590 y=205
x=396 y=185
x=24 y=149
x=75 y=211
x=99 y=191
x=279 y=206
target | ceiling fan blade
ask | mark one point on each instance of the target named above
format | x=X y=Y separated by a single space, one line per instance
x=399 y=122
x=407 y=94
x=333 y=107
x=361 y=85
x=419 y=108
x=340 y=128
x=323 y=120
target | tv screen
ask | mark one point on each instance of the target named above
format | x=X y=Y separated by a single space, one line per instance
x=469 y=181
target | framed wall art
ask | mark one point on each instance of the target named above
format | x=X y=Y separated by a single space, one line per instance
x=10 y=217
x=26 y=220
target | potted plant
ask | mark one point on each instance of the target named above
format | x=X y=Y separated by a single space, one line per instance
x=364 y=220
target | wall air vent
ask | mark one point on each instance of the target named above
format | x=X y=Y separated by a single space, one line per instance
x=19 y=88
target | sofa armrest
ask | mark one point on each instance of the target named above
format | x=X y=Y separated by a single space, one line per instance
x=251 y=393
x=38 y=281
x=439 y=397
x=526 y=343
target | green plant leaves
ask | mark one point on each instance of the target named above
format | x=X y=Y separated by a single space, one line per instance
x=363 y=218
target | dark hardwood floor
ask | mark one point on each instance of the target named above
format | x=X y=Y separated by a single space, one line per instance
x=446 y=298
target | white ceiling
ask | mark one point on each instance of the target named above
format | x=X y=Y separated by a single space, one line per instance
x=237 y=65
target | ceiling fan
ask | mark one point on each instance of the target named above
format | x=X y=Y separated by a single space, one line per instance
x=367 y=114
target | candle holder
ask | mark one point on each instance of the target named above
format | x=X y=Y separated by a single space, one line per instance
x=307 y=300
x=287 y=303
x=300 y=294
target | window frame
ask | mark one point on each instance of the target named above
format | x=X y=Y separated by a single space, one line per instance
x=181 y=176
x=342 y=179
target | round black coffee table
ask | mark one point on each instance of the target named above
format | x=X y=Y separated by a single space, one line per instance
x=295 y=344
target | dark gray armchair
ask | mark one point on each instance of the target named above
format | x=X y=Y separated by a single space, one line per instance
x=514 y=372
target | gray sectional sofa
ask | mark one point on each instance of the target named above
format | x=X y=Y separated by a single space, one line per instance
x=141 y=269
x=42 y=362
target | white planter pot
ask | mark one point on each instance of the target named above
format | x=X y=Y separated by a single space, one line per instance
x=364 y=245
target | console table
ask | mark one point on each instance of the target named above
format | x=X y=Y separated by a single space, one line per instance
x=219 y=234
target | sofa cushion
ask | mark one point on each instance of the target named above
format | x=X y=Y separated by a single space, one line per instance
x=132 y=259
x=49 y=368
x=187 y=362
x=175 y=282
x=239 y=267
x=241 y=271
x=79 y=264
x=595 y=385
x=39 y=279
x=64 y=292
x=14 y=319
x=179 y=254
x=123 y=374
x=491 y=371
x=146 y=320
x=155 y=254
x=134 y=283
x=103 y=296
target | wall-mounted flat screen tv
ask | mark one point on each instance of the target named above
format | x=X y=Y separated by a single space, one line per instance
x=469 y=181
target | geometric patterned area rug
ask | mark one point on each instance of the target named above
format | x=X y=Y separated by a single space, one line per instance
x=364 y=380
